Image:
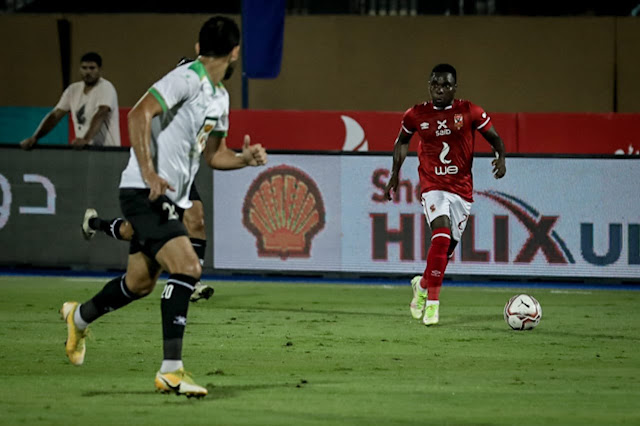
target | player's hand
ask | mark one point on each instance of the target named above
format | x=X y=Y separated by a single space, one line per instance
x=79 y=143
x=253 y=155
x=158 y=186
x=499 y=167
x=392 y=184
x=28 y=143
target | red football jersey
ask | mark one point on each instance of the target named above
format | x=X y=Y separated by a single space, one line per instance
x=445 y=152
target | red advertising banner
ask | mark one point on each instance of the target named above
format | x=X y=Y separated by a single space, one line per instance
x=338 y=131
x=525 y=133
x=579 y=133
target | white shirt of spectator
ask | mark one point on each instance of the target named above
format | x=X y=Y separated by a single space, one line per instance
x=192 y=109
x=84 y=106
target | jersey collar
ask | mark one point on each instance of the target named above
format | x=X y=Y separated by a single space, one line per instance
x=441 y=109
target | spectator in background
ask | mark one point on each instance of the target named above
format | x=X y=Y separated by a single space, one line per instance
x=93 y=103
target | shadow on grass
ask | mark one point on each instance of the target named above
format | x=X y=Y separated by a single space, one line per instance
x=486 y=324
x=303 y=310
x=215 y=391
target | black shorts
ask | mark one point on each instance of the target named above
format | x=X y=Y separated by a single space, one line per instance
x=193 y=193
x=154 y=222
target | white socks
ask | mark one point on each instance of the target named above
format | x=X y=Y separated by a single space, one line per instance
x=169 y=365
x=77 y=319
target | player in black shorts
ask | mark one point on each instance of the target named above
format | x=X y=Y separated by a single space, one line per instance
x=193 y=219
x=154 y=191
x=121 y=229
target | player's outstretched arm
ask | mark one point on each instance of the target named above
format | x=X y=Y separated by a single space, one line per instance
x=219 y=157
x=499 y=163
x=139 y=119
x=400 y=150
x=46 y=125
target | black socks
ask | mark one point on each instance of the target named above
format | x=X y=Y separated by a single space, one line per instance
x=114 y=295
x=174 y=306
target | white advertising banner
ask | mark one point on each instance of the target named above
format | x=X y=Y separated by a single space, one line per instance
x=285 y=216
x=548 y=217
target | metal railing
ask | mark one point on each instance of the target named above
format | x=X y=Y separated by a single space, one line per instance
x=13 y=5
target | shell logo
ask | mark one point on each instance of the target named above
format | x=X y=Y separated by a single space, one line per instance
x=283 y=209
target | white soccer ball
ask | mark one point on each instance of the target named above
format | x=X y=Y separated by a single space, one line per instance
x=522 y=312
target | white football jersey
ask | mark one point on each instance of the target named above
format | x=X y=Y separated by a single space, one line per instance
x=192 y=108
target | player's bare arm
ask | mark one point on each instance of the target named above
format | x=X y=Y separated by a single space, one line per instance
x=499 y=164
x=46 y=125
x=101 y=116
x=139 y=119
x=220 y=157
x=400 y=150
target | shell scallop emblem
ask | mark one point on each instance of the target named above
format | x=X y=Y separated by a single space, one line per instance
x=283 y=208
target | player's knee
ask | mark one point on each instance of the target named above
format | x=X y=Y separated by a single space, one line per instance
x=194 y=224
x=441 y=222
x=126 y=231
x=141 y=287
x=194 y=220
x=191 y=268
x=194 y=269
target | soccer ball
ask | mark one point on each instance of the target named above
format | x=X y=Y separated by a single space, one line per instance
x=522 y=312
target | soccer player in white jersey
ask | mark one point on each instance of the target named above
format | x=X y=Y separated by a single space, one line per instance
x=193 y=108
x=193 y=219
x=93 y=103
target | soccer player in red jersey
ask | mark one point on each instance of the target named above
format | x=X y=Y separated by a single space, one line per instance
x=446 y=127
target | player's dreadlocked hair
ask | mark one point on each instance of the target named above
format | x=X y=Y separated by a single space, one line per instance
x=445 y=68
x=218 y=36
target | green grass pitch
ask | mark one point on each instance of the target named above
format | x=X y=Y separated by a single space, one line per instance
x=324 y=354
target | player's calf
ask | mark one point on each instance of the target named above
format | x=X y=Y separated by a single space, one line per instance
x=116 y=228
x=437 y=259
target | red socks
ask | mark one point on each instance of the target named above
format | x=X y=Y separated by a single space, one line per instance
x=437 y=260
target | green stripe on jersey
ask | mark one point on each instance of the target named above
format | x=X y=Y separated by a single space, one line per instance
x=159 y=98
x=219 y=133
x=199 y=69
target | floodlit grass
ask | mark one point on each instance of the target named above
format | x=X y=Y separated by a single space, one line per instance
x=318 y=354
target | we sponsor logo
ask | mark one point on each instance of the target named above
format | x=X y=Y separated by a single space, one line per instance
x=446 y=168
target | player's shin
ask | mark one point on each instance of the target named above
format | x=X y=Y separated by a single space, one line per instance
x=110 y=227
x=202 y=291
x=200 y=247
x=114 y=295
x=174 y=306
x=437 y=260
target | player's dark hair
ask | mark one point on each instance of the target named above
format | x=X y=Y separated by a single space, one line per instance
x=445 y=68
x=92 y=57
x=218 y=36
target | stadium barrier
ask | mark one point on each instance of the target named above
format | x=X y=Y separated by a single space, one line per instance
x=361 y=131
x=549 y=217
x=44 y=194
x=325 y=213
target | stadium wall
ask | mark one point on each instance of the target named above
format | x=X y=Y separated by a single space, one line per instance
x=506 y=64
x=550 y=218
x=524 y=133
